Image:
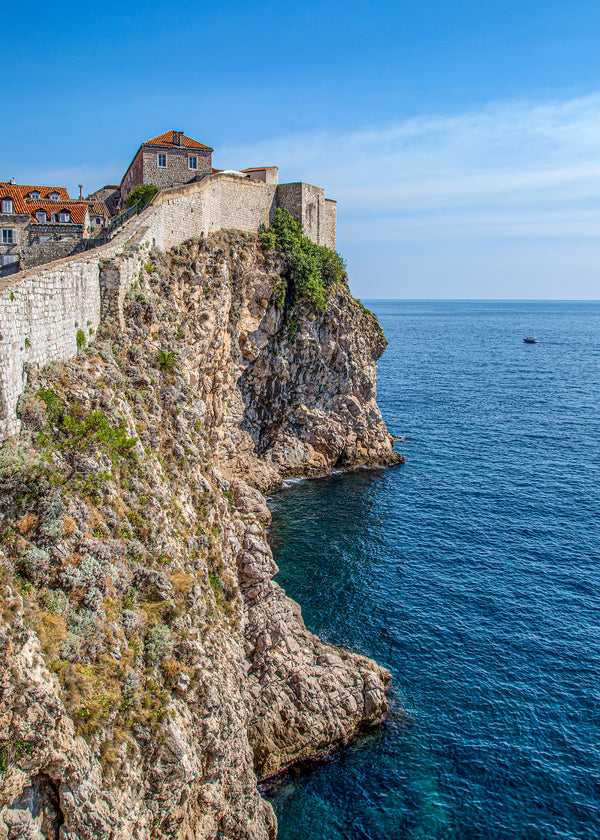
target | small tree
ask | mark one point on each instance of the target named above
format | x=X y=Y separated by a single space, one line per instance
x=144 y=193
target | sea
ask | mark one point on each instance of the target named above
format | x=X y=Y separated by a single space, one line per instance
x=472 y=572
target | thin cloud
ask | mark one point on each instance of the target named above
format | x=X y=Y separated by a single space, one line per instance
x=519 y=167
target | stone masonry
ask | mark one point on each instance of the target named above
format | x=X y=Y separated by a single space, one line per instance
x=41 y=310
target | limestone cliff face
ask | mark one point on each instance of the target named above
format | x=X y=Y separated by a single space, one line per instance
x=150 y=667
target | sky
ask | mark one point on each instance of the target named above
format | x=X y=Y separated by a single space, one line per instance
x=460 y=139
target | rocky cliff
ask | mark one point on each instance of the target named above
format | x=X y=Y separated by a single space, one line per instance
x=150 y=668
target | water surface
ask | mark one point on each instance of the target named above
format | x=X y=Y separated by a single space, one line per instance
x=472 y=573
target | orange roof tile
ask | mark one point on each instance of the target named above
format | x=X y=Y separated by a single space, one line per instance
x=44 y=192
x=77 y=210
x=169 y=139
x=257 y=168
x=8 y=191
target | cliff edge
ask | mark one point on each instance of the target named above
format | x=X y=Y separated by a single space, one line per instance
x=150 y=668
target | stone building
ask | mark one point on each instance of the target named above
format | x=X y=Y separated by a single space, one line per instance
x=110 y=194
x=14 y=218
x=34 y=220
x=170 y=159
x=57 y=221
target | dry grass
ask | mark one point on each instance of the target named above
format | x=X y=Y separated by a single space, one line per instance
x=51 y=630
x=27 y=524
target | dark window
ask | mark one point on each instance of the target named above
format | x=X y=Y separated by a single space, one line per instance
x=192 y=162
x=162 y=160
x=7 y=205
x=8 y=236
x=63 y=216
x=40 y=216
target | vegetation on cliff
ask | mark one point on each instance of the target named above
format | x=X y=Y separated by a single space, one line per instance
x=133 y=549
x=314 y=269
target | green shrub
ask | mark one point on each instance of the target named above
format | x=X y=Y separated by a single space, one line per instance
x=144 y=193
x=80 y=339
x=157 y=644
x=74 y=431
x=315 y=269
x=166 y=360
x=34 y=565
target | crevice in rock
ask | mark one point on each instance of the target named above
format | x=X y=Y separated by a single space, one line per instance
x=36 y=811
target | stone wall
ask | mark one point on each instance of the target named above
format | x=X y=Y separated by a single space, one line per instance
x=308 y=205
x=40 y=315
x=45 y=252
x=329 y=223
x=48 y=305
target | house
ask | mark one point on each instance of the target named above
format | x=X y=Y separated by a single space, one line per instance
x=14 y=218
x=33 y=217
x=100 y=216
x=170 y=159
x=110 y=195
x=32 y=193
x=57 y=221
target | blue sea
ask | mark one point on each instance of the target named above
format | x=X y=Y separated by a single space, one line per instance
x=472 y=572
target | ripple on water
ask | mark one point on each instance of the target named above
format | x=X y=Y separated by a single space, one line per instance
x=472 y=573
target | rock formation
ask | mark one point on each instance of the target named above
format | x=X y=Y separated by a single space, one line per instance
x=150 y=667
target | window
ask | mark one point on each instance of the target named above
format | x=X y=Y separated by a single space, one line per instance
x=40 y=216
x=54 y=196
x=53 y=217
x=63 y=216
x=192 y=162
x=8 y=236
x=162 y=160
x=44 y=238
x=7 y=205
x=9 y=259
x=35 y=195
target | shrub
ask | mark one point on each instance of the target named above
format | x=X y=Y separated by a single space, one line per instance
x=35 y=565
x=315 y=269
x=80 y=339
x=166 y=360
x=144 y=193
x=76 y=431
x=157 y=644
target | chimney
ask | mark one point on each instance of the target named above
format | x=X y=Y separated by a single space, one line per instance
x=178 y=137
x=12 y=182
x=80 y=190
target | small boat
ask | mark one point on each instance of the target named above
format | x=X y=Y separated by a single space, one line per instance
x=531 y=340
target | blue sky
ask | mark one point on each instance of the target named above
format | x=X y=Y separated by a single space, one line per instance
x=462 y=140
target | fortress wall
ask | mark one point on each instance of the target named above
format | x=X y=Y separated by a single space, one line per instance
x=48 y=305
x=328 y=223
x=218 y=202
x=39 y=319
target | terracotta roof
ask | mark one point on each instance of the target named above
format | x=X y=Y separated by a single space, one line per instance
x=257 y=168
x=77 y=210
x=169 y=139
x=44 y=192
x=98 y=208
x=19 y=206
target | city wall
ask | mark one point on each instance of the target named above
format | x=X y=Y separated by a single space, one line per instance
x=42 y=310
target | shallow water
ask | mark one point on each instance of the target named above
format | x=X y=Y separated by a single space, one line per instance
x=472 y=573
